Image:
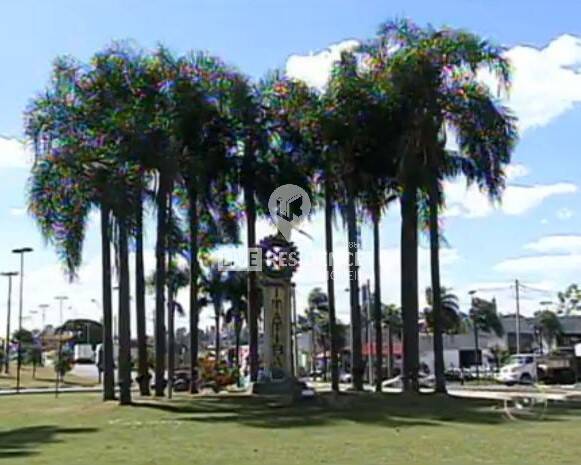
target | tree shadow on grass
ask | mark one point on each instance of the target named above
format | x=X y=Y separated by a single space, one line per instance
x=397 y=411
x=22 y=442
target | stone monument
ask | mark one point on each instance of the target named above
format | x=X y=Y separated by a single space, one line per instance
x=280 y=259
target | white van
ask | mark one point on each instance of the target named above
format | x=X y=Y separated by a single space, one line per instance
x=520 y=368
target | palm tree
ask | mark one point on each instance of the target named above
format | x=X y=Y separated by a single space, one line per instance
x=303 y=109
x=317 y=302
x=122 y=215
x=436 y=71
x=451 y=319
x=215 y=286
x=177 y=278
x=245 y=111
x=350 y=128
x=391 y=319
x=549 y=326
x=69 y=178
x=317 y=321
x=140 y=312
x=205 y=167
x=484 y=318
x=268 y=156
x=237 y=314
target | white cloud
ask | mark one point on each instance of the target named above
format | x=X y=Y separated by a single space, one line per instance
x=546 y=81
x=541 y=264
x=519 y=199
x=18 y=211
x=515 y=171
x=565 y=214
x=516 y=199
x=556 y=243
x=315 y=68
x=14 y=153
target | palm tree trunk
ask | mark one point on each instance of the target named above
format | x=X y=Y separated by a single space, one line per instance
x=325 y=360
x=250 y=208
x=331 y=287
x=313 y=342
x=143 y=363
x=194 y=272
x=171 y=290
x=389 y=352
x=160 y=278
x=217 y=336
x=171 y=349
x=377 y=303
x=237 y=328
x=108 y=362
x=124 y=316
x=356 y=352
x=409 y=286
x=436 y=289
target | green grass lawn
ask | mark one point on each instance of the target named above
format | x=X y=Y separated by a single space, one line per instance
x=356 y=430
x=45 y=377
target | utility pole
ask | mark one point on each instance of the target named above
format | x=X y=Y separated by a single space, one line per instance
x=9 y=275
x=517 y=321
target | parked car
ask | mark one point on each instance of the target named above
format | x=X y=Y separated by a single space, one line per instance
x=345 y=377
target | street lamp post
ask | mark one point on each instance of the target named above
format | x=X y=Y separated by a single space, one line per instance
x=61 y=299
x=9 y=275
x=21 y=252
x=35 y=360
x=43 y=309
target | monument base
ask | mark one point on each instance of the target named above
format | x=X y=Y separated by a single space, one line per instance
x=279 y=384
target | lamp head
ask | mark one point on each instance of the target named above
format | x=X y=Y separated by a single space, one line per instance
x=22 y=250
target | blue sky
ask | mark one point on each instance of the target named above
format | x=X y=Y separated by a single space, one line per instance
x=536 y=234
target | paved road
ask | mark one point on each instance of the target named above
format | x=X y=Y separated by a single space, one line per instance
x=491 y=391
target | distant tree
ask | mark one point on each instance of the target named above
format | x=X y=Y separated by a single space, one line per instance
x=317 y=321
x=570 y=299
x=549 y=326
x=237 y=314
x=35 y=358
x=392 y=320
x=451 y=319
x=24 y=336
x=214 y=285
x=484 y=318
x=317 y=301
